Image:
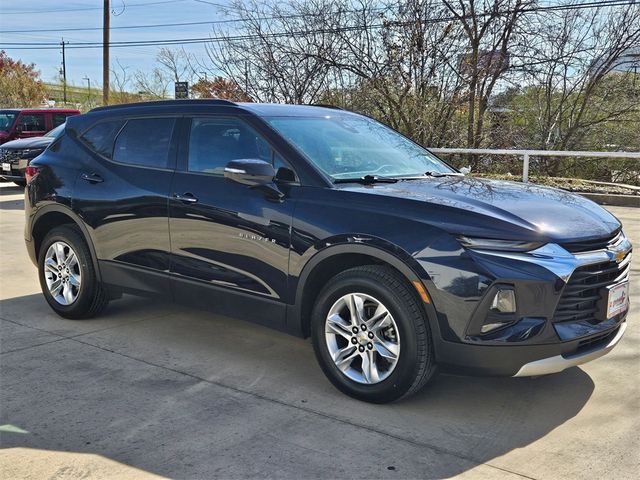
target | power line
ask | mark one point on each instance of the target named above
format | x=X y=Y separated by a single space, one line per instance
x=21 y=12
x=196 y=40
x=180 y=24
x=592 y=4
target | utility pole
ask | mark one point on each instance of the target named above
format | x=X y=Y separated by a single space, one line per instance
x=105 y=53
x=64 y=75
x=88 y=89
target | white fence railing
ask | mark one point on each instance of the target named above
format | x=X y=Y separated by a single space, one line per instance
x=527 y=154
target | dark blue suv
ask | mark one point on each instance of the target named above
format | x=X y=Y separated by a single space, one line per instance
x=324 y=223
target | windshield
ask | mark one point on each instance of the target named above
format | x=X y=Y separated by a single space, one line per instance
x=7 y=119
x=348 y=146
x=56 y=132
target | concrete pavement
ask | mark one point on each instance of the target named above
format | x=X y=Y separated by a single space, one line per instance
x=150 y=389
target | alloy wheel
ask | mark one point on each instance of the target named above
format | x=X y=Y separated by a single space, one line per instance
x=362 y=338
x=62 y=273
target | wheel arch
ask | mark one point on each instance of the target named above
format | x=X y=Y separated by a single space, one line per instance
x=331 y=261
x=52 y=216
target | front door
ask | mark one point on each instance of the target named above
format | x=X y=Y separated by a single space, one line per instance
x=229 y=243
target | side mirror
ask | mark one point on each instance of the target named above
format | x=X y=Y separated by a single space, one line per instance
x=254 y=173
x=19 y=128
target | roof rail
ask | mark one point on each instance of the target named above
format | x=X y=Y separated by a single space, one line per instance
x=162 y=103
x=325 y=105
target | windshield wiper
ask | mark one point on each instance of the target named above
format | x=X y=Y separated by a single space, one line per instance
x=367 y=180
x=432 y=173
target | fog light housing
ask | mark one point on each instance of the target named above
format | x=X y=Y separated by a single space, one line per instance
x=504 y=301
x=502 y=310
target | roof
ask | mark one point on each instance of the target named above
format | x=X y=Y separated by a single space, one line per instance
x=259 y=109
x=47 y=109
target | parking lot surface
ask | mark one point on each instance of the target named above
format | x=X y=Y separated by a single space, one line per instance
x=151 y=389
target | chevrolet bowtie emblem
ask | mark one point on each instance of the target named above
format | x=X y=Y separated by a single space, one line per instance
x=620 y=255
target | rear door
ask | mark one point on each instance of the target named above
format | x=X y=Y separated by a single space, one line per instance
x=122 y=193
x=229 y=243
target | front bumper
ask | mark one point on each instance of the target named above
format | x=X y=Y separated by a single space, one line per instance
x=559 y=363
x=524 y=360
x=547 y=335
x=13 y=178
x=16 y=169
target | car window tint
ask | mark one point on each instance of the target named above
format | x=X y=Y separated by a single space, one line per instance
x=100 y=137
x=145 y=142
x=32 y=122
x=59 y=119
x=214 y=142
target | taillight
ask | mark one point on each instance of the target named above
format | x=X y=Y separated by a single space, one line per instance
x=30 y=172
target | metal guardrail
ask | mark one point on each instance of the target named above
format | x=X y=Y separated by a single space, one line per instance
x=527 y=154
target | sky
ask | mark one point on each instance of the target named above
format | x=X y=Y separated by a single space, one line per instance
x=20 y=15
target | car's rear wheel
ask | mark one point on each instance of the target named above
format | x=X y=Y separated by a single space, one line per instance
x=371 y=336
x=67 y=275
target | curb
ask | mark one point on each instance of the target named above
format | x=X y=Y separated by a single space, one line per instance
x=613 y=199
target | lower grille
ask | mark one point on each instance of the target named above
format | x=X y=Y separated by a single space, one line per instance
x=596 y=341
x=583 y=291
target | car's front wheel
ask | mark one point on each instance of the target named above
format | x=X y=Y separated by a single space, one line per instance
x=370 y=335
x=67 y=275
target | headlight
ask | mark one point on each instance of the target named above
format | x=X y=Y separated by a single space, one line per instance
x=503 y=245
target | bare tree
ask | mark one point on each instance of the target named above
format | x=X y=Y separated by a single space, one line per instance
x=267 y=59
x=173 y=66
x=580 y=79
x=120 y=85
x=491 y=28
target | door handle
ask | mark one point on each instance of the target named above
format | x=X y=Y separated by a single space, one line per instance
x=92 y=177
x=185 y=197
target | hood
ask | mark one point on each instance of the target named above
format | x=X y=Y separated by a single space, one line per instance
x=33 y=142
x=495 y=208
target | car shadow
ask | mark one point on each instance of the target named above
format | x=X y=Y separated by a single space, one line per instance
x=97 y=400
x=12 y=204
x=10 y=189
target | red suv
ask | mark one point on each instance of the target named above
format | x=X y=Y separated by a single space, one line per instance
x=31 y=122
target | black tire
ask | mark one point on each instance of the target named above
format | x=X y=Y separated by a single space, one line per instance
x=416 y=362
x=21 y=183
x=92 y=297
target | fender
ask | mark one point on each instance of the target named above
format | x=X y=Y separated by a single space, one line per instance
x=65 y=210
x=355 y=244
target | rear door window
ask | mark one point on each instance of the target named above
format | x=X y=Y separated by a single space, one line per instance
x=145 y=142
x=100 y=137
x=32 y=122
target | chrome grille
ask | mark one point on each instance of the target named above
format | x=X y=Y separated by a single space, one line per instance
x=592 y=245
x=13 y=155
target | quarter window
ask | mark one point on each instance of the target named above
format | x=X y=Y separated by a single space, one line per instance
x=100 y=137
x=214 y=142
x=32 y=123
x=145 y=142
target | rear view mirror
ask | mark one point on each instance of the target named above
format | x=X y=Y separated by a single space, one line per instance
x=254 y=173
